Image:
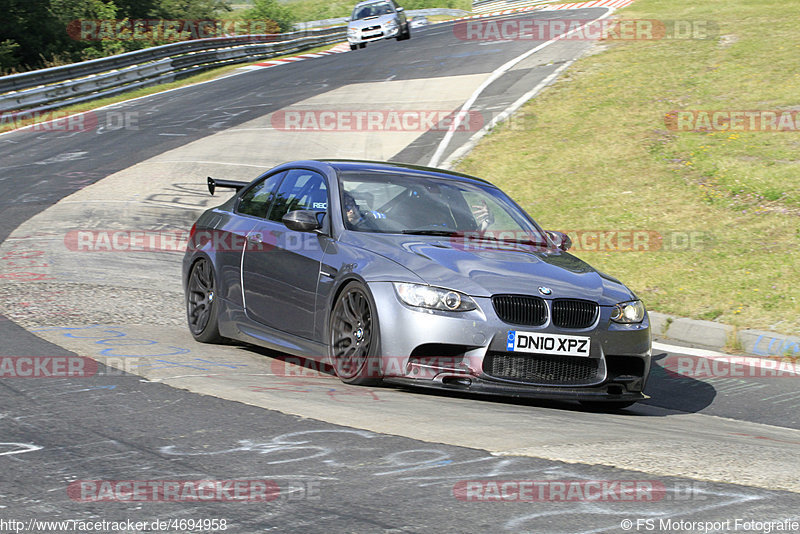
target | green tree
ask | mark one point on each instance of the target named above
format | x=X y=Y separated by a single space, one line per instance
x=271 y=10
x=188 y=9
x=136 y=9
x=41 y=33
x=9 y=55
x=171 y=9
x=30 y=25
x=71 y=46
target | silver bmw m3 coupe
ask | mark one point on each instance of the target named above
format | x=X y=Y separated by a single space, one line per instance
x=415 y=276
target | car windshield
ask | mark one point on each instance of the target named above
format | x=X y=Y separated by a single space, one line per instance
x=396 y=203
x=372 y=10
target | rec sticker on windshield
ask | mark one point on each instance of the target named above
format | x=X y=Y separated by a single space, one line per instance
x=548 y=343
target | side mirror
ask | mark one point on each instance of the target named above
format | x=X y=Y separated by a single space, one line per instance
x=301 y=220
x=560 y=240
x=400 y=9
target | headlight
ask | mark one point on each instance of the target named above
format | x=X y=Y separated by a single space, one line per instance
x=391 y=25
x=352 y=31
x=628 y=312
x=435 y=298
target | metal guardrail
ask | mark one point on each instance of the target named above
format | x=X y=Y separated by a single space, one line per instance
x=45 y=89
x=435 y=11
x=338 y=21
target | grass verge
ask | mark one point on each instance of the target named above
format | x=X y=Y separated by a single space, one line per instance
x=601 y=157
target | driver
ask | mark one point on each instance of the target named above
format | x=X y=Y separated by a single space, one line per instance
x=351 y=210
x=354 y=215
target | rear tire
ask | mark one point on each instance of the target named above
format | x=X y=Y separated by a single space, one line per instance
x=354 y=337
x=362 y=45
x=202 y=306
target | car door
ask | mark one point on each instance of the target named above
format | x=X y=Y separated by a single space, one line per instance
x=228 y=233
x=401 y=16
x=280 y=267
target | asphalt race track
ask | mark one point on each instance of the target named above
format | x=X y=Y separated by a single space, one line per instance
x=161 y=407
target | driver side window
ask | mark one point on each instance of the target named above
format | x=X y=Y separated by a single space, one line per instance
x=300 y=190
x=257 y=199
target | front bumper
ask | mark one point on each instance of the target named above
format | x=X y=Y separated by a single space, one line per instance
x=368 y=37
x=485 y=387
x=448 y=350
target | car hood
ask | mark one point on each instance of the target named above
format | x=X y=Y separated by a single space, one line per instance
x=371 y=21
x=485 y=270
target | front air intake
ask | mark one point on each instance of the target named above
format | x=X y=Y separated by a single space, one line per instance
x=520 y=309
x=572 y=313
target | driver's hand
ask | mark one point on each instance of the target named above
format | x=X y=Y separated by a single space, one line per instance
x=482 y=215
x=372 y=214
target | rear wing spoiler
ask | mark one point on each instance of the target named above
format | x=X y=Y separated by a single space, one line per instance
x=230 y=184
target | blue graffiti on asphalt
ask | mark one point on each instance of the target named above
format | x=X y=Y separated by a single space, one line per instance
x=137 y=343
x=111 y=343
x=113 y=339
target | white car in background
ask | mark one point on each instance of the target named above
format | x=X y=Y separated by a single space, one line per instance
x=374 y=20
x=419 y=21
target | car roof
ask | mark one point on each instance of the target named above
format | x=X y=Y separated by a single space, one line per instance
x=367 y=2
x=345 y=165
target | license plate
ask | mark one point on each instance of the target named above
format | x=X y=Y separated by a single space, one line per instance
x=548 y=343
x=373 y=34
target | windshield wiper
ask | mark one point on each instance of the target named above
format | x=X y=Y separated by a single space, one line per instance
x=431 y=232
x=469 y=237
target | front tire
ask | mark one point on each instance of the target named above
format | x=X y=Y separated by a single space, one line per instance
x=202 y=306
x=354 y=337
x=353 y=47
x=405 y=34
